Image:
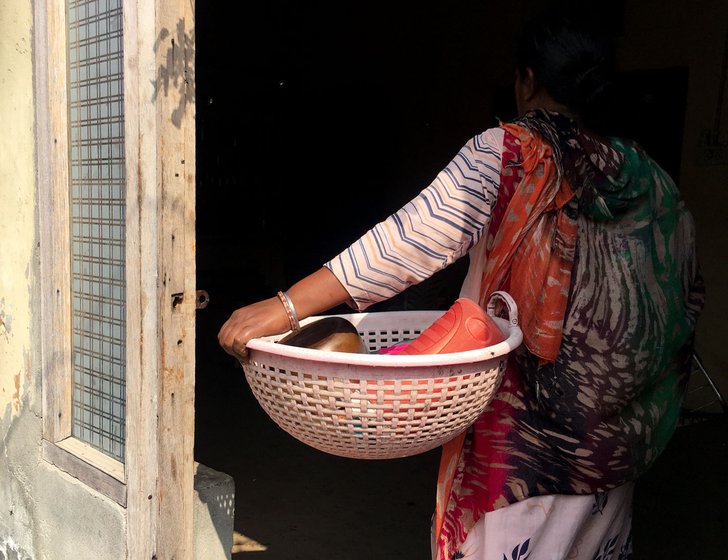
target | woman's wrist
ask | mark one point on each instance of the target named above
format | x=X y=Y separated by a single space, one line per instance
x=290 y=310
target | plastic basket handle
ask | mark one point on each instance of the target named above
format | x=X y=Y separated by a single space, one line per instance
x=505 y=299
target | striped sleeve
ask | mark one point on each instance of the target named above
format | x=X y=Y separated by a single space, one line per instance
x=430 y=232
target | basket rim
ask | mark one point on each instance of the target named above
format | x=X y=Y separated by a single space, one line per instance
x=269 y=345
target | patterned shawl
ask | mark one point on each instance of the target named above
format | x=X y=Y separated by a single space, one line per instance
x=591 y=238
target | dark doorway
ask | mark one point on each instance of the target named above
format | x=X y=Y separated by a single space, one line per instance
x=647 y=106
x=313 y=122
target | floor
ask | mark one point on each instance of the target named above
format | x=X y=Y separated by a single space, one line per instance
x=296 y=503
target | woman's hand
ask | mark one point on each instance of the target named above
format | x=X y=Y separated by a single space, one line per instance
x=263 y=318
x=313 y=294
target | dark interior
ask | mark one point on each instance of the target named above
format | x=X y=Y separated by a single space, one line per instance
x=313 y=123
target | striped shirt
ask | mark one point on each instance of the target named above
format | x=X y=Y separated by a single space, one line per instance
x=435 y=229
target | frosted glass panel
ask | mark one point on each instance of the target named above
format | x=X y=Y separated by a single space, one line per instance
x=96 y=117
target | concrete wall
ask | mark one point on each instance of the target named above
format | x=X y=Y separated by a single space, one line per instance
x=44 y=513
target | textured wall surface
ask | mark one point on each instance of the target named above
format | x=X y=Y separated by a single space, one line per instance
x=17 y=188
x=44 y=513
x=19 y=392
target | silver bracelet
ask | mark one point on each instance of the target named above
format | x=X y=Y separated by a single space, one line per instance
x=290 y=311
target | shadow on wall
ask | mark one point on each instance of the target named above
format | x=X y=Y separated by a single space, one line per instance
x=10 y=550
x=178 y=74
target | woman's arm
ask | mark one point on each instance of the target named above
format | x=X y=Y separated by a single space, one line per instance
x=429 y=233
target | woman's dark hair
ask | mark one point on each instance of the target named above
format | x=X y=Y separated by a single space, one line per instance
x=571 y=59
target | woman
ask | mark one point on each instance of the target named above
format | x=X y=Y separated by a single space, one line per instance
x=591 y=238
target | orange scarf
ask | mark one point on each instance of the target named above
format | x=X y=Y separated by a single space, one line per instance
x=532 y=253
x=534 y=248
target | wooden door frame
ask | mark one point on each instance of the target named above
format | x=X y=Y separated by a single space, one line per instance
x=160 y=162
x=155 y=482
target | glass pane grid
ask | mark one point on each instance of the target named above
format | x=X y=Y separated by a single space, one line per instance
x=96 y=117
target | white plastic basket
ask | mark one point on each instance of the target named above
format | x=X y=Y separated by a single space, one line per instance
x=379 y=406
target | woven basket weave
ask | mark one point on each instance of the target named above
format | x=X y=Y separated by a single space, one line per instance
x=374 y=406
